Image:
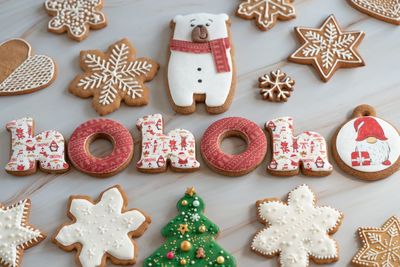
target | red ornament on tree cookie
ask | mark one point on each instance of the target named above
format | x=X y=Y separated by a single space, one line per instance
x=367 y=146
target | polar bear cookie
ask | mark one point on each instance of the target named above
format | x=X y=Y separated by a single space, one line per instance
x=201 y=66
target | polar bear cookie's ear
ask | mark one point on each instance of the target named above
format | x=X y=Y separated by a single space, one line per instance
x=225 y=17
x=177 y=18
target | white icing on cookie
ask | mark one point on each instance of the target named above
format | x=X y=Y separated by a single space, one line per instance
x=101 y=228
x=297 y=230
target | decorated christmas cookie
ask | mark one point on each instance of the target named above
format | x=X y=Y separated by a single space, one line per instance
x=16 y=233
x=367 y=146
x=266 y=12
x=201 y=66
x=386 y=10
x=276 y=86
x=113 y=77
x=328 y=48
x=75 y=17
x=28 y=149
x=102 y=230
x=306 y=151
x=380 y=246
x=297 y=230
x=190 y=239
x=21 y=72
x=178 y=147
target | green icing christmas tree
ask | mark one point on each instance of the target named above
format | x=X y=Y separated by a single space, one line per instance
x=190 y=239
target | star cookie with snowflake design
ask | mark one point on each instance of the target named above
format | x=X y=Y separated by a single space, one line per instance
x=385 y=10
x=102 y=229
x=266 y=12
x=114 y=76
x=276 y=86
x=328 y=48
x=16 y=233
x=297 y=230
x=76 y=17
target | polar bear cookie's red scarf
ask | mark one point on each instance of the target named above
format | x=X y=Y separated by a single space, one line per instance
x=216 y=47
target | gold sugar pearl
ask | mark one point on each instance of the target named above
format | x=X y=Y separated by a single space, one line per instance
x=184 y=202
x=186 y=246
x=183 y=262
x=202 y=228
x=220 y=260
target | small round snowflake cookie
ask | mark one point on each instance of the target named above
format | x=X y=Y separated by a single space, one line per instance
x=297 y=230
x=276 y=87
x=75 y=17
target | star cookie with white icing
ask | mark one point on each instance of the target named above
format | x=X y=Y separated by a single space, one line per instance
x=16 y=234
x=102 y=229
x=297 y=230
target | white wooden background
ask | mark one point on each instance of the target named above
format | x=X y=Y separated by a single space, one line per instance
x=230 y=201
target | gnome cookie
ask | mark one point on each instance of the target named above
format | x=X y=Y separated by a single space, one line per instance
x=366 y=146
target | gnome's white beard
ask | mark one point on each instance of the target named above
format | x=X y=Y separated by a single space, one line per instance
x=378 y=152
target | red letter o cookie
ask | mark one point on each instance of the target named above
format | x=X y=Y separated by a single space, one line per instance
x=86 y=133
x=233 y=165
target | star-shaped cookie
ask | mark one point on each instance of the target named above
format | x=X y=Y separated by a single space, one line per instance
x=380 y=246
x=328 y=48
x=16 y=233
x=102 y=229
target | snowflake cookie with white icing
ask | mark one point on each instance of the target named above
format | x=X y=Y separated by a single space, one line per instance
x=102 y=229
x=385 y=10
x=114 y=76
x=16 y=233
x=75 y=17
x=276 y=86
x=297 y=230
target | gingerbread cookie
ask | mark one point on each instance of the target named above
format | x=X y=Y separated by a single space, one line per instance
x=306 y=151
x=16 y=233
x=178 y=147
x=190 y=238
x=276 y=86
x=380 y=246
x=47 y=148
x=266 y=12
x=239 y=164
x=113 y=77
x=21 y=72
x=386 y=10
x=367 y=146
x=101 y=167
x=201 y=63
x=297 y=230
x=75 y=17
x=328 y=48
x=102 y=229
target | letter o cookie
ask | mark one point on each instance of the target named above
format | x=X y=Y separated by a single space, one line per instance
x=86 y=133
x=233 y=165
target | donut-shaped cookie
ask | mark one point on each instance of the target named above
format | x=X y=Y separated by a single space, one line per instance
x=233 y=165
x=86 y=133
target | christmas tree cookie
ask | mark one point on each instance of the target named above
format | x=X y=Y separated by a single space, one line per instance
x=190 y=239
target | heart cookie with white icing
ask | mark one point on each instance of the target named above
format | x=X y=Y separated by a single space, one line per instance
x=386 y=10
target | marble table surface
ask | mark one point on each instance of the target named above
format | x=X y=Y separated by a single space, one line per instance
x=230 y=201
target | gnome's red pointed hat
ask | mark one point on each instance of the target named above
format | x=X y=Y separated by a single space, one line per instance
x=368 y=127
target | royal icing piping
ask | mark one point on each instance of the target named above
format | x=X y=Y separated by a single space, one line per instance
x=289 y=150
x=276 y=86
x=178 y=146
x=368 y=144
x=386 y=9
x=101 y=228
x=75 y=15
x=297 y=229
x=27 y=148
x=16 y=234
x=192 y=73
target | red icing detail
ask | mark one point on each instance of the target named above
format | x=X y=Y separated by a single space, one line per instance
x=387 y=163
x=368 y=127
x=360 y=158
x=239 y=164
x=105 y=166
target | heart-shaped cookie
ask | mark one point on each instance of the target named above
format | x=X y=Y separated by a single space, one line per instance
x=386 y=10
x=21 y=72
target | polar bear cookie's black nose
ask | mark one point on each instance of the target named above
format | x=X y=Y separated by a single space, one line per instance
x=200 y=34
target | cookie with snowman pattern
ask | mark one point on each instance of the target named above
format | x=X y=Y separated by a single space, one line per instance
x=102 y=229
x=366 y=146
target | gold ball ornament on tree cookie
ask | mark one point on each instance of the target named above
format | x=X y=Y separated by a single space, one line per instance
x=385 y=10
x=75 y=17
x=113 y=77
x=328 y=48
x=366 y=146
x=266 y=12
x=276 y=87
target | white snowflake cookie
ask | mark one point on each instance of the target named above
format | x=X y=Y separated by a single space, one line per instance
x=75 y=17
x=297 y=230
x=102 y=229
